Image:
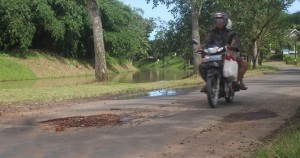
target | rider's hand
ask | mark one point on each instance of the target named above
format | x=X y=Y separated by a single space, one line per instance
x=199 y=50
x=229 y=47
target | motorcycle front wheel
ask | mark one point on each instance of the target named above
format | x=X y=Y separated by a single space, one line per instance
x=212 y=90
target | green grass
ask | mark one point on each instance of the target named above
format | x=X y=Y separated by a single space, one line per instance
x=260 y=70
x=267 y=67
x=286 y=145
x=11 y=70
x=11 y=96
x=13 y=65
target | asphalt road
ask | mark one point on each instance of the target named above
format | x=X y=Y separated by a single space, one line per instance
x=182 y=125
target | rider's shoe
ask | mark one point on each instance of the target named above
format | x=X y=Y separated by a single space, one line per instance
x=236 y=86
x=203 y=89
x=242 y=86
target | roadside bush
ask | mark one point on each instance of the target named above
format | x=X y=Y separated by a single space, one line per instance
x=291 y=60
x=288 y=59
x=277 y=57
x=298 y=59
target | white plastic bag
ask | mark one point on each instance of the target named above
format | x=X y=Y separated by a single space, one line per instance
x=230 y=69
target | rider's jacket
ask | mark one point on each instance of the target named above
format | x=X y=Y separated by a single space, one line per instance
x=219 y=37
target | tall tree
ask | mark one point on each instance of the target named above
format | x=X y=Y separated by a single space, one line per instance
x=100 y=62
x=195 y=32
x=179 y=6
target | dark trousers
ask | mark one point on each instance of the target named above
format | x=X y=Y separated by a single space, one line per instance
x=203 y=70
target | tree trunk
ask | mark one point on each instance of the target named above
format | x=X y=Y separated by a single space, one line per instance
x=260 y=58
x=255 y=55
x=100 y=62
x=195 y=33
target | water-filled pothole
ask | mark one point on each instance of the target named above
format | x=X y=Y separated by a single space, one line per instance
x=249 y=116
x=162 y=92
x=61 y=124
x=155 y=93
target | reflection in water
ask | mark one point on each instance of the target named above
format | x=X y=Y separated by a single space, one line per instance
x=150 y=75
x=142 y=76
x=163 y=92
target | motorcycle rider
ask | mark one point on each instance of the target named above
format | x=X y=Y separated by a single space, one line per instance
x=219 y=37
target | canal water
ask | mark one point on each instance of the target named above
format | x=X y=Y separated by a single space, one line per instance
x=141 y=76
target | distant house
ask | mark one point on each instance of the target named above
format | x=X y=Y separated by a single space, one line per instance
x=295 y=35
x=292 y=53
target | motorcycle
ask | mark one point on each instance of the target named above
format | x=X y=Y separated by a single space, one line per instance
x=217 y=86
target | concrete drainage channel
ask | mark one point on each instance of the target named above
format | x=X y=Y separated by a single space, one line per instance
x=62 y=124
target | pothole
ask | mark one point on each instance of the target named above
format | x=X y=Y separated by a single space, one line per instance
x=154 y=93
x=249 y=116
x=162 y=92
x=61 y=124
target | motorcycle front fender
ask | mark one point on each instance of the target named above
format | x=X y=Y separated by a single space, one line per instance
x=213 y=72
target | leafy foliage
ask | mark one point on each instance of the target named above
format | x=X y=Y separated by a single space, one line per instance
x=255 y=21
x=126 y=32
x=64 y=27
x=16 y=28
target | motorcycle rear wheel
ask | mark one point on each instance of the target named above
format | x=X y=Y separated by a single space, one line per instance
x=212 y=90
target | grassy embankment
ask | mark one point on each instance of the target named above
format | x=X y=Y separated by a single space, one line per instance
x=169 y=62
x=11 y=70
x=34 y=65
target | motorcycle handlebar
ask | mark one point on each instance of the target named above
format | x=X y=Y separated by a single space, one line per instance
x=212 y=50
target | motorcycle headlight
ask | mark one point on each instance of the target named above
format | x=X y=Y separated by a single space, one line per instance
x=213 y=58
x=215 y=64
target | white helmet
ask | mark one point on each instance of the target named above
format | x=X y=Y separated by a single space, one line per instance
x=229 y=24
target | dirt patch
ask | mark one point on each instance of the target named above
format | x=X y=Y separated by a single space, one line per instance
x=249 y=116
x=61 y=124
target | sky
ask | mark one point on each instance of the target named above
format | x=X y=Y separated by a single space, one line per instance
x=162 y=11
x=295 y=7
